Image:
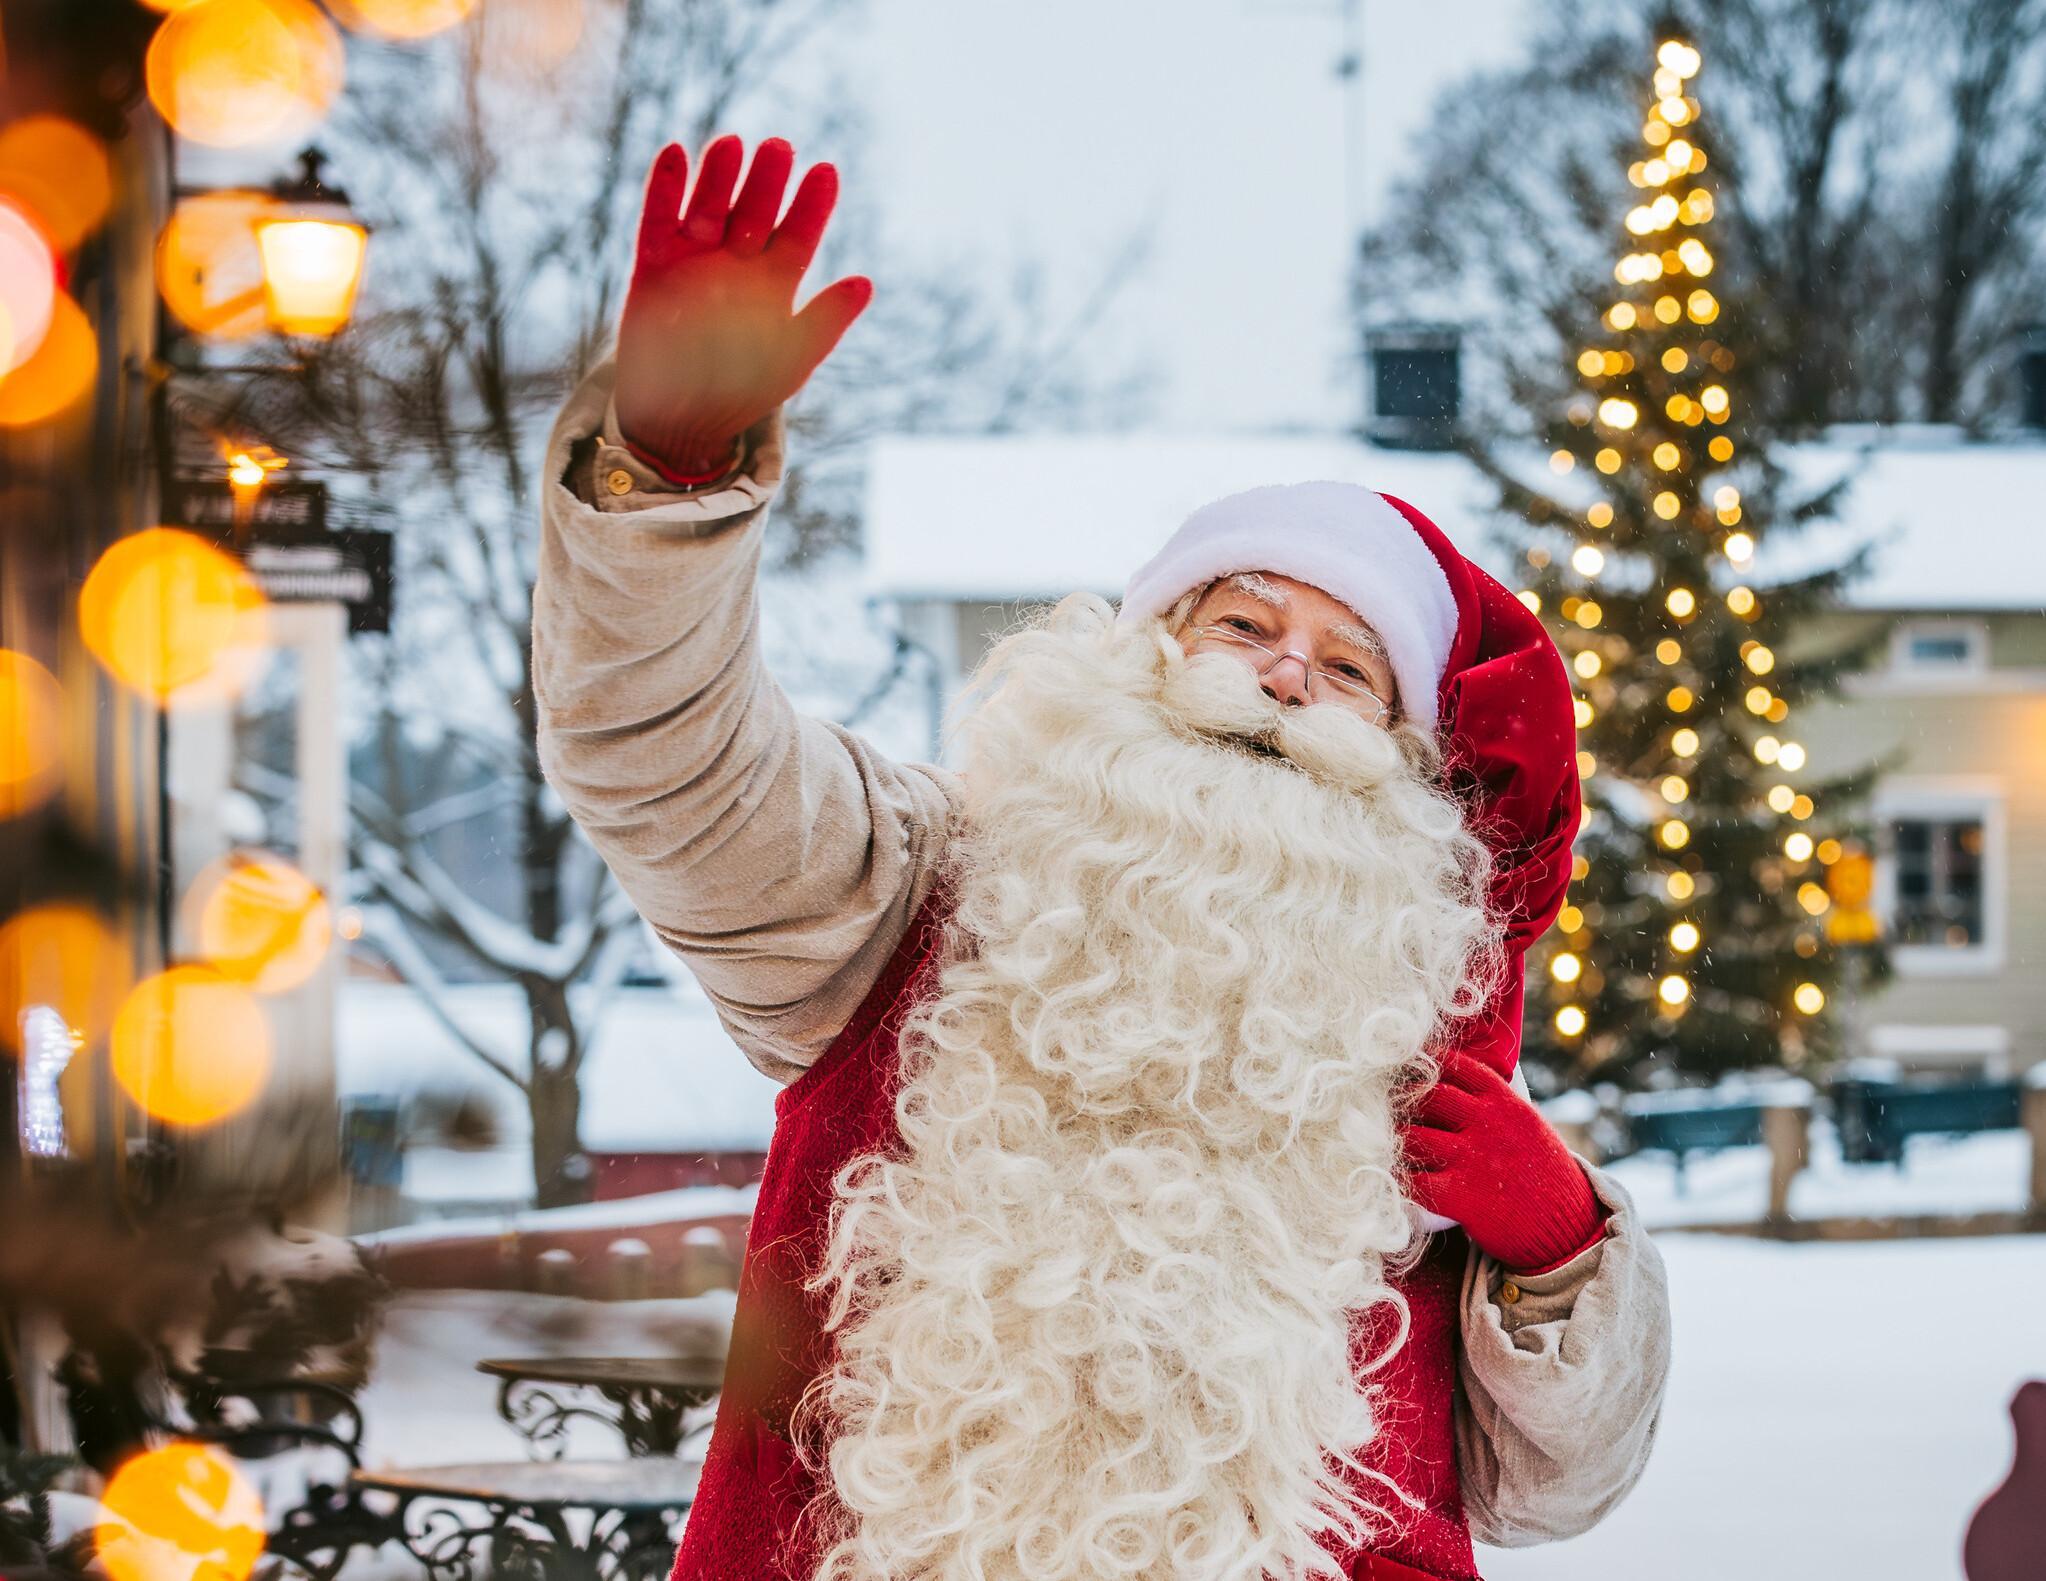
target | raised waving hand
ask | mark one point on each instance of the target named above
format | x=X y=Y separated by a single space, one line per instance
x=709 y=341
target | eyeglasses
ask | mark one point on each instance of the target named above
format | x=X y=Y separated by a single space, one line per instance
x=1323 y=685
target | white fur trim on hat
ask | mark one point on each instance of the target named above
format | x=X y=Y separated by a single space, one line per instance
x=1339 y=537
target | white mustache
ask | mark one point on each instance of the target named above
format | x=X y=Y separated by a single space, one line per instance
x=1218 y=696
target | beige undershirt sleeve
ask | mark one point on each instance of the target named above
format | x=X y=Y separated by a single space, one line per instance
x=780 y=856
x=1560 y=1382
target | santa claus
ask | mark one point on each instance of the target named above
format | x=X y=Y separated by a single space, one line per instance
x=1154 y=1193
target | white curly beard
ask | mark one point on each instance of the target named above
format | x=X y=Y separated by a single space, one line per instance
x=1094 y=1315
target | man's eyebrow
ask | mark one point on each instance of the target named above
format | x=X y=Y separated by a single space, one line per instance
x=1258 y=588
x=1361 y=637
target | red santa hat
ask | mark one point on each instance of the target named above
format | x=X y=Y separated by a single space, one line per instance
x=1473 y=663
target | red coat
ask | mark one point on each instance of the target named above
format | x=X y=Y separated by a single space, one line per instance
x=746 y=1525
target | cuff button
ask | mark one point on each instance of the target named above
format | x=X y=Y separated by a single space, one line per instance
x=619 y=482
x=1509 y=1292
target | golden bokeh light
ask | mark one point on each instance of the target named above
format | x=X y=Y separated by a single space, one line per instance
x=1565 y=967
x=1684 y=743
x=1587 y=613
x=1587 y=663
x=1683 y=938
x=181 y=1512
x=31 y=734
x=66 y=957
x=1666 y=505
x=260 y=921
x=28 y=283
x=58 y=375
x=1809 y=998
x=407 y=19
x=60 y=171
x=1674 y=833
x=1607 y=461
x=190 y=1046
x=1680 y=699
x=172 y=617
x=230 y=73
x=1682 y=603
x=1531 y=599
x=1721 y=448
x=1797 y=845
x=1570 y=1020
x=1681 y=885
x=1587 y=560
x=1673 y=990
x=1600 y=515
x=208 y=265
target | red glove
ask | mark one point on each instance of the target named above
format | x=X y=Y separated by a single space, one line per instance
x=1483 y=1155
x=707 y=345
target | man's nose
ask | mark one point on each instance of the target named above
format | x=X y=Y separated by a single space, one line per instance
x=1285 y=682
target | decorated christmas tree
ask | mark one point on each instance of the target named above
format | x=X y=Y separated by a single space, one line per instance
x=1702 y=933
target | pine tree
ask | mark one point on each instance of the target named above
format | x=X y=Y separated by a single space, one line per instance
x=1697 y=935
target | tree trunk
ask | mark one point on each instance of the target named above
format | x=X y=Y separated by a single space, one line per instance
x=554 y=1100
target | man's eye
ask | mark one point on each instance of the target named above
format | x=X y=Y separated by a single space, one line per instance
x=1239 y=622
x=1345 y=667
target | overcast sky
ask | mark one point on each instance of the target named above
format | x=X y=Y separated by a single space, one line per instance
x=1052 y=126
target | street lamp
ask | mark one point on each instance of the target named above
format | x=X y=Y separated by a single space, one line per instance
x=312 y=246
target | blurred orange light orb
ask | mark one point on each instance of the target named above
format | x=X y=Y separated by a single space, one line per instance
x=233 y=72
x=179 y=1513
x=60 y=171
x=66 y=957
x=261 y=921
x=31 y=735
x=164 y=611
x=190 y=1046
x=405 y=18
x=57 y=376
x=28 y=284
x=208 y=265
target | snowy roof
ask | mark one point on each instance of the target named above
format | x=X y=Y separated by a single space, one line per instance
x=1038 y=516
x=662 y=1074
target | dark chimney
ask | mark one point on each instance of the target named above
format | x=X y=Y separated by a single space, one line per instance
x=1415 y=385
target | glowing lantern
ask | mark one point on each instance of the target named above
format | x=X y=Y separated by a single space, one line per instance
x=31 y=738
x=172 y=617
x=312 y=247
x=191 y=1047
x=179 y=1513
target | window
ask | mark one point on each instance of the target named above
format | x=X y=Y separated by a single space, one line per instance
x=1940 y=882
x=1937 y=649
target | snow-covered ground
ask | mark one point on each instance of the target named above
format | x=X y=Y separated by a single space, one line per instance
x=1835 y=1410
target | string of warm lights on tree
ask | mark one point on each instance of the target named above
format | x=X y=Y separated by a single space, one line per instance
x=1653 y=597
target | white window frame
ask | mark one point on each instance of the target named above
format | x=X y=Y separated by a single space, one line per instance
x=1949 y=796
x=1974 y=633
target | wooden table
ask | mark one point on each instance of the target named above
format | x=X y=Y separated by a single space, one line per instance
x=630 y=1512
x=649 y=1398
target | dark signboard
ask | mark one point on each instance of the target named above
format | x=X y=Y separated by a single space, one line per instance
x=283 y=538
